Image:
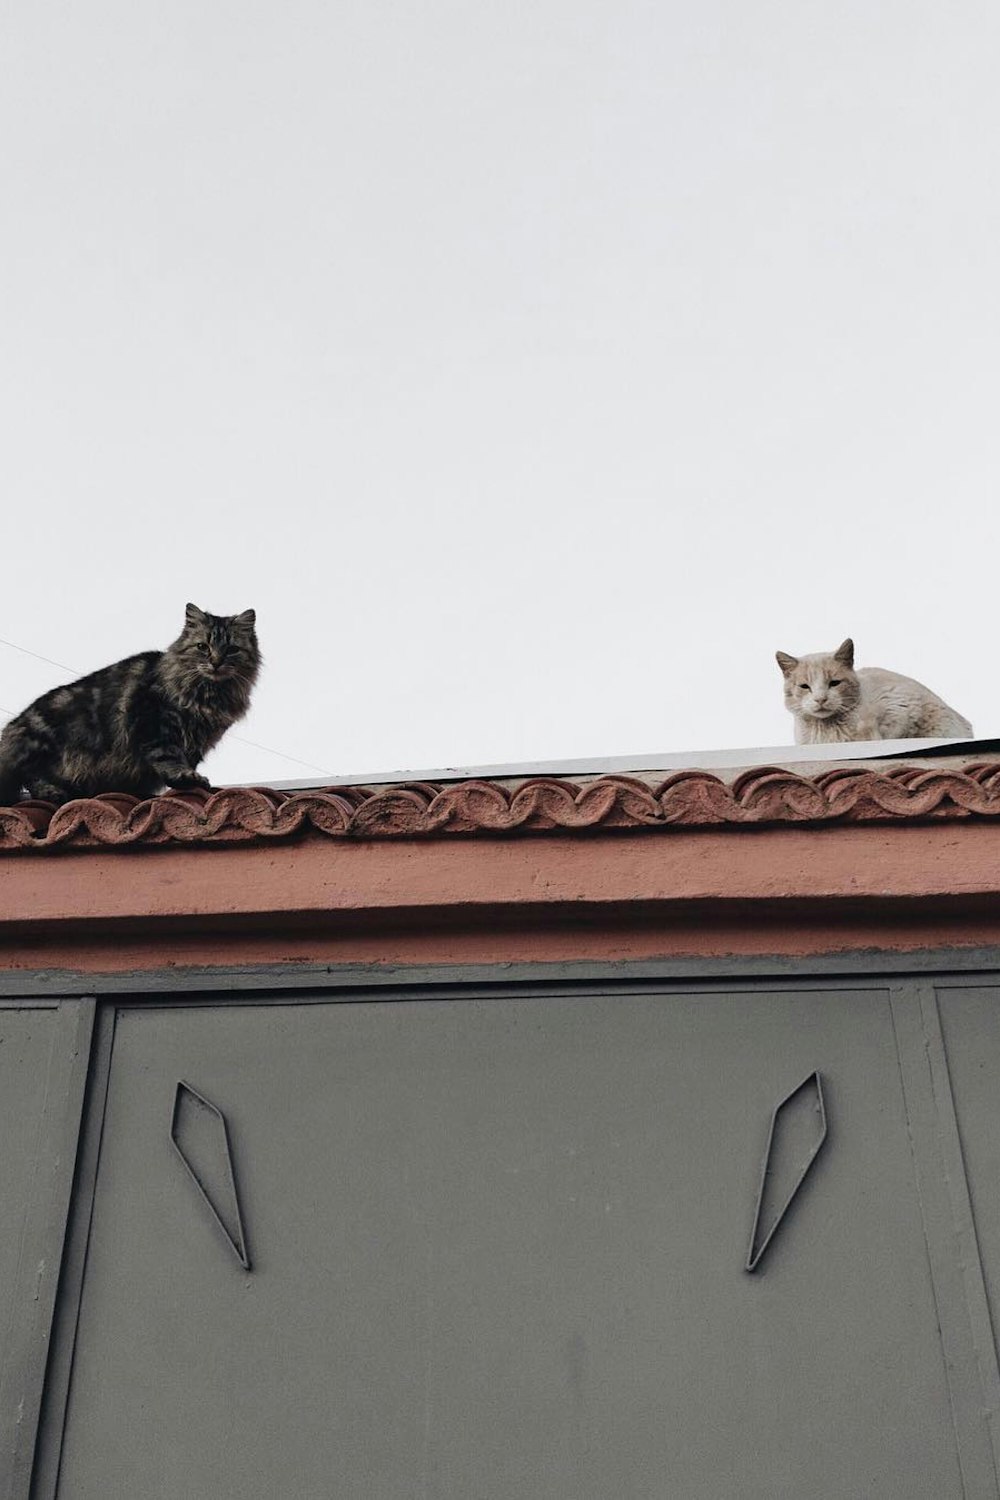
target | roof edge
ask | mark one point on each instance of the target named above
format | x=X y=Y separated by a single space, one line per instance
x=687 y=799
x=659 y=762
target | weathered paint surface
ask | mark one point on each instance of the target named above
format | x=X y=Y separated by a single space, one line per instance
x=630 y=895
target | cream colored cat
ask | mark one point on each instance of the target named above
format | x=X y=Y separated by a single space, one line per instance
x=829 y=700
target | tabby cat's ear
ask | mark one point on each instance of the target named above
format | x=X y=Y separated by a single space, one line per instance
x=248 y=618
x=193 y=615
x=845 y=653
x=785 y=662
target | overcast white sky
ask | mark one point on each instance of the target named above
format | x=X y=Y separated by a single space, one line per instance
x=534 y=370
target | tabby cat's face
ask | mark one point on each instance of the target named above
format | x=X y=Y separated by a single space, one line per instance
x=218 y=646
x=822 y=686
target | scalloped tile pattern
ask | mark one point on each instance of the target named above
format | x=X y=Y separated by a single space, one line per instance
x=688 y=799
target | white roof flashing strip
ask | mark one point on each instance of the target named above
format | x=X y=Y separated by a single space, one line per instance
x=686 y=760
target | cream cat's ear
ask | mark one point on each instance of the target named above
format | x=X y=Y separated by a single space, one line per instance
x=785 y=662
x=845 y=653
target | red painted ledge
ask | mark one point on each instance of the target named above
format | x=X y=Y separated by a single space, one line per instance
x=480 y=871
x=491 y=899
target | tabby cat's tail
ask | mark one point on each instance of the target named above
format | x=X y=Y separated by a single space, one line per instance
x=10 y=780
x=10 y=788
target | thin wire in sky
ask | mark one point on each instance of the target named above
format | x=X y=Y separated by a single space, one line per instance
x=64 y=667
x=37 y=655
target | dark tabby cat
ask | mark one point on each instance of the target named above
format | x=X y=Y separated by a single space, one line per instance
x=139 y=725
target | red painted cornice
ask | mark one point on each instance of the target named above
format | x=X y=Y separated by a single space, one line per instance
x=766 y=795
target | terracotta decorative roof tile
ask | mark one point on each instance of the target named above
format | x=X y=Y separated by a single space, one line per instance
x=690 y=799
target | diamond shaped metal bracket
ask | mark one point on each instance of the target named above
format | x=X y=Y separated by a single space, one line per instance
x=755 y=1252
x=236 y=1243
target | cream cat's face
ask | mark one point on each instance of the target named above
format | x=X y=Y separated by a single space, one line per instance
x=822 y=686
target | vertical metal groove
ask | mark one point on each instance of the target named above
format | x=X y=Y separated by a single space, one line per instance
x=949 y=1234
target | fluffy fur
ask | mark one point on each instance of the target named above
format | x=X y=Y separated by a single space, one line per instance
x=830 y=700
x=140 y=725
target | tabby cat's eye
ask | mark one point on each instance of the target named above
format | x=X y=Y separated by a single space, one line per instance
x=836 y=681
x=203 y=648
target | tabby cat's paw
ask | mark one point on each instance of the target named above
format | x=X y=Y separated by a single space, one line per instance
x=190 y=783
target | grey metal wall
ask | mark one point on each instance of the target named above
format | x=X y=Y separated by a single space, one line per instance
x=43 y=1066
x=496 y=1246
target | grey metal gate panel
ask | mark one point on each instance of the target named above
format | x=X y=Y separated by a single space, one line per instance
x=43 y=1064
x=970 y=1022
x=497 y=1250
